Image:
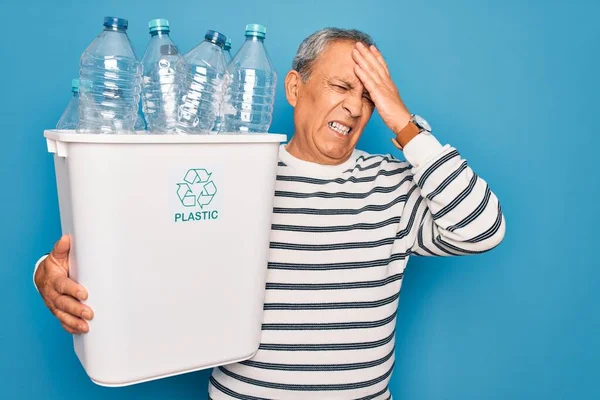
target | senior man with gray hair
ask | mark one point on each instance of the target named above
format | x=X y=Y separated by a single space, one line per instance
x=344 y=226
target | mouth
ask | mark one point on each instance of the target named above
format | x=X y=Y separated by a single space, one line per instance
x=340 y=128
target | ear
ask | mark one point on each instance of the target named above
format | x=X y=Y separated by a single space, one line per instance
x=293 y=81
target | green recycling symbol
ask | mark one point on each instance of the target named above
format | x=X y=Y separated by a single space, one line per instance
x=196 y=188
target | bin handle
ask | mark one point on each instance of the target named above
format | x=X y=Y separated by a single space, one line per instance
x=58 y=148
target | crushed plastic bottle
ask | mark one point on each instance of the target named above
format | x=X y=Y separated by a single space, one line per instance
x=250 y=95
x=204 y=91
x=109 y=81
x=163 y=78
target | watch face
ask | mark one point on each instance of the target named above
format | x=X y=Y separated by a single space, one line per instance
x=420 y=121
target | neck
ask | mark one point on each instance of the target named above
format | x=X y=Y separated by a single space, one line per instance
x=303 y=152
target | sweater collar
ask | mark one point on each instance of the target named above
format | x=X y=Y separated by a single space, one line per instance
x=312 y=169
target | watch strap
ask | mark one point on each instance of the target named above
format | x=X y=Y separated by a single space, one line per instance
x=406 y=135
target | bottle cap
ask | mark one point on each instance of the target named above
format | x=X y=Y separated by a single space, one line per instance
x=114 y=22
x=215 y=37
x=158 y=25
x=256 y=30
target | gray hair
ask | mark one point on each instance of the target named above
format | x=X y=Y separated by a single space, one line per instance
x=315 y=44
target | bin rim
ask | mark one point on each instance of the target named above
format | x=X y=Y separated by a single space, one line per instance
x=146 y=138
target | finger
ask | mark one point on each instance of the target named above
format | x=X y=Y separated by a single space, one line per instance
x=70 y=330
x=366 y=79
x=66 y=285
x=71 y=306
x=368 y=73
x=365 y=65
x=71 y=321
x=370 y=60
x=379 y=58
x=61 y=249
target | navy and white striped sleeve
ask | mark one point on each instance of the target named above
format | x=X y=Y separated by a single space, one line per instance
x=456 y=212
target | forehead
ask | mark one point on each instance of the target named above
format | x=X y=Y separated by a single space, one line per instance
x=336 y=61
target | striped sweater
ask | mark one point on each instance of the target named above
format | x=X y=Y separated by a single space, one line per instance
x=341 y=237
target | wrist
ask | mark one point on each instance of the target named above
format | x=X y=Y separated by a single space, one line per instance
x=406 y=134
x=415 y=125
x=39 y=268
x=402 y=120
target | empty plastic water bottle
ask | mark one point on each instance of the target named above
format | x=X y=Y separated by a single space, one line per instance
x=227 y=50
x=250 y=94
x=70 y=116
x=163 y=79
x=204 y=92
x=109 y=81
x=219 y=120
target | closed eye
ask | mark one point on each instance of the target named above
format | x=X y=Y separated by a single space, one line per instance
x=339 y=87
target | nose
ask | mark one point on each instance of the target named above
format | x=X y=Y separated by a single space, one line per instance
x=353 y=103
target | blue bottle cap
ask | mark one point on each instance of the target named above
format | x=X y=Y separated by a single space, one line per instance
x=227 y=44
x=75 y=85
x=256 y=30
x=114 y=22
x=158 y=25
x=215 y=37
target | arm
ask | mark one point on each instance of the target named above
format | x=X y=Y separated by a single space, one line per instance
x=452 y=210
x=455 y=212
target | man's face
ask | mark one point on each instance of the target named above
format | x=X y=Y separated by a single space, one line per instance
x=332 y=107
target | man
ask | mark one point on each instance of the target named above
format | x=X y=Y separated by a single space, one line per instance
x=344 y=225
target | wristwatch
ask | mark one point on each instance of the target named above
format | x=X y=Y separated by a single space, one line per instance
x=416 y=125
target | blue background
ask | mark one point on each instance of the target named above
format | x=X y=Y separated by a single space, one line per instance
x=513 y=86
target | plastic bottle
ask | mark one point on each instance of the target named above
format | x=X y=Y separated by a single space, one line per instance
x=70 y=117
x=204 y=91
x=227 y=54
x=163 y=78
x=109 y=81
x=227 y=50
x=249 y=98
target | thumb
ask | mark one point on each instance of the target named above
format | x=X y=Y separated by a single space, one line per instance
x=61 y=248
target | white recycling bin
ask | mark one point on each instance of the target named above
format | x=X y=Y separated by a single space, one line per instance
x=170 y=235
